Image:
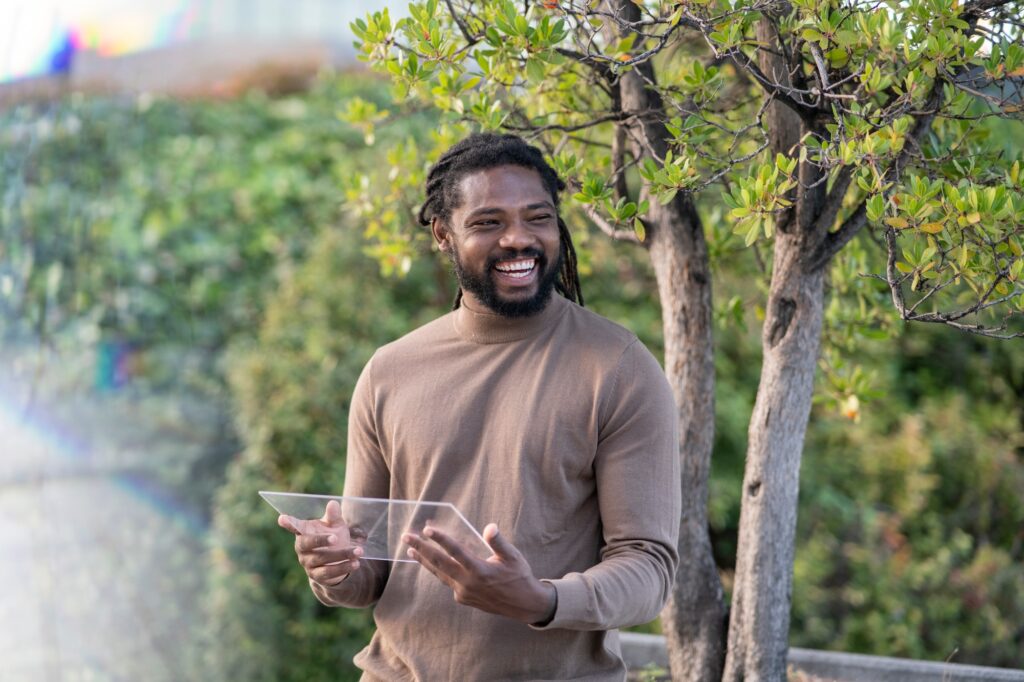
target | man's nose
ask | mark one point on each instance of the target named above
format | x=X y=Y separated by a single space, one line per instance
x=517 y=235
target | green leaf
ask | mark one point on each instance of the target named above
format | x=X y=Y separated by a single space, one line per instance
x=752 y=232
x=534 y=70
x=638 y=228
x=811 y=35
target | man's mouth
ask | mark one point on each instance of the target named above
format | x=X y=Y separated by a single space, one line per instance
x=519 y=268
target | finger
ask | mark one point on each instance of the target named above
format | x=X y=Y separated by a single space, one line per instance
x=498 y=544
x=429 y=567
x=432 y=556
x=299 y=526
x=327 y=554
x=289 y=523
x=332 y=574
x=332 y=514
x=454 y=548
x=310 y=543
x=334 y=555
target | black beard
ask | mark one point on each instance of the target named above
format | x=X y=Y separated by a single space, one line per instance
x=483 y=287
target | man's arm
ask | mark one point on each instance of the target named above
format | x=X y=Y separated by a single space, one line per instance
x=638 y=487
x=366 y=475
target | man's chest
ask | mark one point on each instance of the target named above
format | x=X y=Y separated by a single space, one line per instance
x=525 y=420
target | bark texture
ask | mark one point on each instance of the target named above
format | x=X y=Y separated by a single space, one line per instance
x=759 y=617
x=759 y=620
x=694 y=618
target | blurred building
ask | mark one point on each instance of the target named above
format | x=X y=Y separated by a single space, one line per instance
x=177 y=47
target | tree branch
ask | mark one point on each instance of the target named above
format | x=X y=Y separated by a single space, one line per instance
x=615 y=116
x=895 y=282
x=463 y=28
x=602 y=69
x=804 y=111
x=979 y=7
x=609 y=229
x=835 y=241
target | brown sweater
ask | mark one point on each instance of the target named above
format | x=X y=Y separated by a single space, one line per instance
x=560 y=428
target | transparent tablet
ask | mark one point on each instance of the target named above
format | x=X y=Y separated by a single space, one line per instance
x=378 y=524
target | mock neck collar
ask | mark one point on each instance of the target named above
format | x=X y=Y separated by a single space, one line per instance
x=488 y=327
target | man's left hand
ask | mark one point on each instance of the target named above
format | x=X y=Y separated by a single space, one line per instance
x=502 y=584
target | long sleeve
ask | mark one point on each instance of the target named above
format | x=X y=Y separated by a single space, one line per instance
x=366 y=475
x=637 y=475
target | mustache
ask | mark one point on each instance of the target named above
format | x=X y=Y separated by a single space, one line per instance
x=513 y=255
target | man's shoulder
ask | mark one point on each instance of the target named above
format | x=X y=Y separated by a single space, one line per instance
x=414 y=343
x=593 y=330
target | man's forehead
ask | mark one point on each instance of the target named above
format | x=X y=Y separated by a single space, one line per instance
x=502 y=185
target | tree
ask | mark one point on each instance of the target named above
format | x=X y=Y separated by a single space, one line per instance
x=817 y=123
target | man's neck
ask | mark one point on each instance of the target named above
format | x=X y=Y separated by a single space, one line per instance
x=475 y=305
x=478 y=323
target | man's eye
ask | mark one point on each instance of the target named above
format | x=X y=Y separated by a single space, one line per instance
x=541 y=217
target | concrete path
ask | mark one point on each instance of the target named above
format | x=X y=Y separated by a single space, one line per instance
x=100 y=567
x=96 y=585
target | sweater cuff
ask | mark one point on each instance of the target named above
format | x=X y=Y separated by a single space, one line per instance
x=572 y=605
x=332 y=595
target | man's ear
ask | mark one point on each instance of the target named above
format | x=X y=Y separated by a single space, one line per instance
x=440 y=232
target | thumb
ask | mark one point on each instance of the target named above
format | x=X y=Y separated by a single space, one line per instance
x=498 y=544
x=332 y=514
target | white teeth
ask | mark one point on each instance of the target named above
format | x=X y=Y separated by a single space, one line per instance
x=516 y=267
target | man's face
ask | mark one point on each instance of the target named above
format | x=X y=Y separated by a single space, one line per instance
x=503 y=241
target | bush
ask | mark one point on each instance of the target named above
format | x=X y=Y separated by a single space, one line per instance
x=911 y=541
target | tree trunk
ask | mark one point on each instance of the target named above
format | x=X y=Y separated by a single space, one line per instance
x=759 y=617
x=762 y=591
x=694 y=618
x=759 y=622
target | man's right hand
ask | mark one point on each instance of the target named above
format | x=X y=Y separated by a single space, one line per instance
x=324 y=546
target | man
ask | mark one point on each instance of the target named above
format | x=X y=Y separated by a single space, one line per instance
x=526 y=411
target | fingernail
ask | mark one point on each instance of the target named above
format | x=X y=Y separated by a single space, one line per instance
x=428 y=531
x=332 y=539
x=411 y=553
x=358 y=551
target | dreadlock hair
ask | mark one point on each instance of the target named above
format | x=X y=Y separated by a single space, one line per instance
x=482 y=151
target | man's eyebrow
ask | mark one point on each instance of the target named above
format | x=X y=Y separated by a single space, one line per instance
x=492 y=210
x=487 y=210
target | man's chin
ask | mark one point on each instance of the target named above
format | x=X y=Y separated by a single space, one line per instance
x=520 y=306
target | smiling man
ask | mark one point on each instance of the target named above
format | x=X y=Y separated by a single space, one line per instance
x=545 y=421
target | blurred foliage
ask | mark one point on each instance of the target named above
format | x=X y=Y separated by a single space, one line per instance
x=912 y=521
x=161 y=221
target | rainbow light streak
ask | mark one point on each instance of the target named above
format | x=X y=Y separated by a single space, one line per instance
x=20 y=438
x=41 y=40
x=23 y=442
